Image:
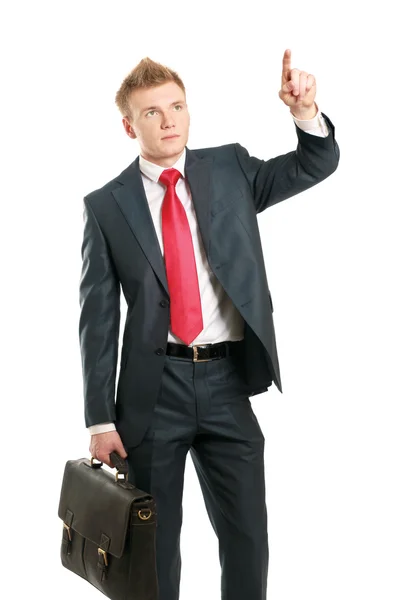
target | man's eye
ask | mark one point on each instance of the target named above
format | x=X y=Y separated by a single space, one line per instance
x=151 y=111
x=178 y=105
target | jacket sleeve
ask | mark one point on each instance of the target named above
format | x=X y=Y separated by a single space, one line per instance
x=99 y=296
x=279 y=178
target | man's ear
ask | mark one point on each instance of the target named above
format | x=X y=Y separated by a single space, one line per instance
x=128 y=128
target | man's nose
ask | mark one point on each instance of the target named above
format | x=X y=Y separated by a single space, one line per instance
x=168 y=121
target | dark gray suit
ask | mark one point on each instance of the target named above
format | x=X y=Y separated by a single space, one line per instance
x=120 y=248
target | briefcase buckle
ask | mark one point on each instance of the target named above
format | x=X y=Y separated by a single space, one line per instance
x=68 y=528
x=143 y=515
x=123 y=478
x=196 y=356
x=104 y=555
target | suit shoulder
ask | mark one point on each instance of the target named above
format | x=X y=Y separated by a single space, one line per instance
x=108 y=187
x=225 y=155
x=102 y=191
x=216 y=151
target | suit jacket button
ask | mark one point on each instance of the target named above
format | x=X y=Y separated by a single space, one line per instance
x=164 y=303
x=160 y=351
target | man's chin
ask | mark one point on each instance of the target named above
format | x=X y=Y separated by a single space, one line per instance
x=173 y=149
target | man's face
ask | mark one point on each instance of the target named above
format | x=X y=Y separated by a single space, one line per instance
x=159 y=113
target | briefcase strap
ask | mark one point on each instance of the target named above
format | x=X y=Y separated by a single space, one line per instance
x=102 y=560
x=66 y=539
x=67 y=535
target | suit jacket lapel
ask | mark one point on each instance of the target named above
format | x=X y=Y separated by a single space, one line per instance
x=131 y=198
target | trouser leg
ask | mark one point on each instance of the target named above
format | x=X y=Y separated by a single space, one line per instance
x=228 y=454
x=157 y=466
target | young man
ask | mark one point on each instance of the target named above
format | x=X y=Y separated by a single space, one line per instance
x=178 y=231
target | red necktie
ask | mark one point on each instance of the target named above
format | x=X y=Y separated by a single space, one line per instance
x=183 y=283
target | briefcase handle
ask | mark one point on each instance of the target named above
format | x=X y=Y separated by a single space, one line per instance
x=118 y=463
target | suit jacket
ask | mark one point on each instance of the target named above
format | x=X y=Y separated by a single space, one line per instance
x=120 y=250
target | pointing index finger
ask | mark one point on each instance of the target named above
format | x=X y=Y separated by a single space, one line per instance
x=286 y=65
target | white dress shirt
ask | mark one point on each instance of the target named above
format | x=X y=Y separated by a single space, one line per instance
x=222 y=321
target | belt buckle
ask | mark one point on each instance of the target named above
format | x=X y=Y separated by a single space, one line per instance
x=195 y=355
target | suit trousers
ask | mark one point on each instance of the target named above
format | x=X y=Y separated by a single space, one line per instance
x=204 y=408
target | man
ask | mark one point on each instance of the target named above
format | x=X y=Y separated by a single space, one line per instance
x=177 y=230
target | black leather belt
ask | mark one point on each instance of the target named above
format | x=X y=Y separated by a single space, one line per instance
x=204 y=352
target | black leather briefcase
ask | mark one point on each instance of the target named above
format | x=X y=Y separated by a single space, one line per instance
x=109 y=529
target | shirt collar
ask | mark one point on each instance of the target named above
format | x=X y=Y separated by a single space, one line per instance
x=154 y=171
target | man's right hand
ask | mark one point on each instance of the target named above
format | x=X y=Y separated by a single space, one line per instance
x=102 y=444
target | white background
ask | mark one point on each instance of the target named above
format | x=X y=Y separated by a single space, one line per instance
x=331 y=253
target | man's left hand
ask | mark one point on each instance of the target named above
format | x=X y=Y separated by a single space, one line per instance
x=298 y=89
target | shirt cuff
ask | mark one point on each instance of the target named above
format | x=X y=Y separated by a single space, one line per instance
x=101 y=428
x=315 y=126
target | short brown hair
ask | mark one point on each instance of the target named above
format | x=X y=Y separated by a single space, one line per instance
x=146 y=74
